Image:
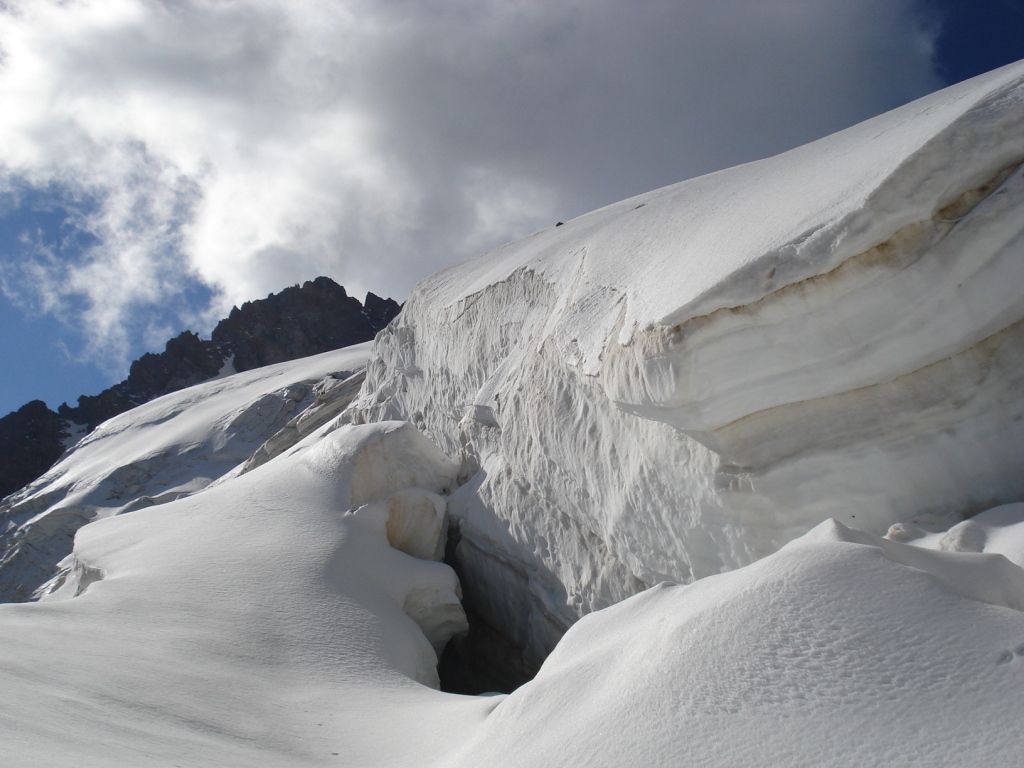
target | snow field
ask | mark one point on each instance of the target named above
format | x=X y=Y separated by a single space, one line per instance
x=292 y=615
x=840 y=649
x=166 y=449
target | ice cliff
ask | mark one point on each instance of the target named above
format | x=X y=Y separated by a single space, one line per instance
x=678 y=384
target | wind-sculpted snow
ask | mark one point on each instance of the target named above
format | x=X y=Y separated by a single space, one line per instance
x=292 y=616
x=271 y=620
x=264 y=621
x=995 y=531
x=679 y=384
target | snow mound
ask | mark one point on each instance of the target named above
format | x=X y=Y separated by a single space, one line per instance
x=266 y=620
x=998 y=531
x=294 y=614
x=841 y=649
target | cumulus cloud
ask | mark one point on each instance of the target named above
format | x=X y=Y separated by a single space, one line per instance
x=244 y=145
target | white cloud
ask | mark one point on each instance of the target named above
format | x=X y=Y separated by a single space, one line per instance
x=249 y=144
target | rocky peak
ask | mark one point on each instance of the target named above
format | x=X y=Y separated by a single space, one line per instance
x=300 y=321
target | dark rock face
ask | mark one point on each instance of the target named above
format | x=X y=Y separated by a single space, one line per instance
x=379 y=312
x=31 y=440
x=185 y=361
x=299 y=321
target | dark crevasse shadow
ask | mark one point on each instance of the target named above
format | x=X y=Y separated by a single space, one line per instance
x=482 y=660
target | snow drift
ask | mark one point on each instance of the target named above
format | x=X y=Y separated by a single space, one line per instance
x=262 y=621
x=841 y=649
x=292 y=615
x=739 y=384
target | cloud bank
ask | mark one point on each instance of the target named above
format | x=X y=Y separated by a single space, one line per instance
x=223 y=149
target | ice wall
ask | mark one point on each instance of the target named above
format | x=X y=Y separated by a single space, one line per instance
x=679 y=384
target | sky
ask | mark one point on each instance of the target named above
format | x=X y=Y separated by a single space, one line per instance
x=162 y=160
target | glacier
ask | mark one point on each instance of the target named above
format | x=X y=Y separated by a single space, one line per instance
x=677 y=385
x=735 y=467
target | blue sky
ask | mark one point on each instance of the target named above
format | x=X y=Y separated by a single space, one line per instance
x=161 y=161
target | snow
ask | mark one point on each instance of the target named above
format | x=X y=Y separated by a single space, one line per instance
x=228 y=369
x=263 y=621
x=996 y=531
x=835 y=651
x=709 y=242
x=166 y=449
x=75 y=433
x=737 y=384
x=679 y=384
x=271 y=619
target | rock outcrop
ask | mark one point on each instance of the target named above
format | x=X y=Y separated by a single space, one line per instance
x=298 y=322
x=186 y=360
x=31 y=440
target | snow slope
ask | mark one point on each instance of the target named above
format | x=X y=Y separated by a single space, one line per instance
x=166 y=449
x=737 y=384
x=679 y=384
x=254 y=591
x=265 y=621
x=841 y=649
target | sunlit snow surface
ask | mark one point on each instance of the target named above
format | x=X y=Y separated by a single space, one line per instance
x=261 y=584
x=265 y=621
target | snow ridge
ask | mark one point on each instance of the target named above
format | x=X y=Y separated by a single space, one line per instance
x=167 y=449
